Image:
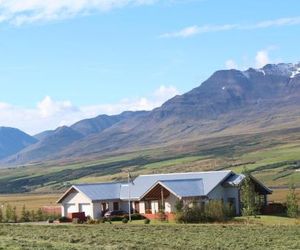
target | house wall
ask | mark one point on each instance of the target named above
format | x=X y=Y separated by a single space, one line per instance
x=142 y=207
x=74 y=202
x=154 y=207
x=170 y=203
x=97 y=207
x=224 y=193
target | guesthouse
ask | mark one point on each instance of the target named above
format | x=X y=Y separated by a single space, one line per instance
x=149 y=194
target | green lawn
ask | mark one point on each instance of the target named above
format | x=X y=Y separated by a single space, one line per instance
x=160 y=236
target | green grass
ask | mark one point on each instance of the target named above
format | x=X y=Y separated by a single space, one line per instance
x=270 y=220
x=272 y=158
x=168 y=236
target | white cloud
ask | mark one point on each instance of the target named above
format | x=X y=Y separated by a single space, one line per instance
x=49 y=113
x=196 y=30
x=19 y=12
x=231 y=64
x=262 y=58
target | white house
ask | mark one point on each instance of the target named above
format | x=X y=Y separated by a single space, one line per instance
x=150 y=193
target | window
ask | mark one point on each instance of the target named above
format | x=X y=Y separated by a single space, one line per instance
x=116 y=206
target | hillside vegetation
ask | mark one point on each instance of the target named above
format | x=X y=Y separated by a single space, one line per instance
x=272 y=157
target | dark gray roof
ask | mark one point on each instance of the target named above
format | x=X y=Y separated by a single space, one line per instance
x=100 y=191
x=185 y=188
x=144 y=182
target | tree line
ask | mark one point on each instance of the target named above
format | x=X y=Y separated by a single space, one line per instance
x=9 y=214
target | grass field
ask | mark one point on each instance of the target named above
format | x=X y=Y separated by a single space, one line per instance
x=168 y=236
x=31 y=201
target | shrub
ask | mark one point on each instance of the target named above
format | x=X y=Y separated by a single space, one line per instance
x=50 y=221
x=249 y=197
x=1 y=215
x=125 y=220
x=146 y=221
x=161 y=216
x=137 y=216
x=217 y=211
x=210 y=212
x=292 y=203
x=78 y=221
x=25 y=215
x=63 y=219
x=101 y=220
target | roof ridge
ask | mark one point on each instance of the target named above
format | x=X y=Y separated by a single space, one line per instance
x=193 y=179
x=98 y=183
x=202 y=172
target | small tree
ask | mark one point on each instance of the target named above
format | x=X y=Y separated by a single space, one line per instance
x=40 y=215
x=8 y=213
x=1 y=215
x=14 y=215
x=25 y=214
x=179 y=205
x=32 y=216
x=292 y=202
x=249 y=197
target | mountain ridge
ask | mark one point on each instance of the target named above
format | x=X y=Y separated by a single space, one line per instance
x=228 y=102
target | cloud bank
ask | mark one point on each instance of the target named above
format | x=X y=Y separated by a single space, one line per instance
x=20 y=12
x=49 y=113
x=197 y=30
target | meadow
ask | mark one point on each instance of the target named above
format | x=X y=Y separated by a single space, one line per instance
x=156 y=236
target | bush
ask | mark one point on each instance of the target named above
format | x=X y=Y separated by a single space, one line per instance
x=217 y=211
x=146 y=221
x=292 y=203
x=78 y=221
x=63 y=219
x=101 y=220
x=50 y=221
x=211 y=212
x=137 y=216
x=125 y=220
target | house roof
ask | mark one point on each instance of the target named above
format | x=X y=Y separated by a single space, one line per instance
x=234 y=180
x=97 y=191
x=182 y=188
x=144 y=182
x=180 y=184
x=237 y=179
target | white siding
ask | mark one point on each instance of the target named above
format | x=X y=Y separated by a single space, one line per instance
x=142 y=207
x=96 y=210
x=170 y=203
x=71 y=202
x=87 y=208
x=154 y=207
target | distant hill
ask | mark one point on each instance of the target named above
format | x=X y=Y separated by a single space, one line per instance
x=230 y=102
x=13 y=140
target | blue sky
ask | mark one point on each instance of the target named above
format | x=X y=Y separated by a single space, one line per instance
x=64 y=60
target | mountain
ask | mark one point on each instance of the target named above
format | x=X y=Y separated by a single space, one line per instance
x=52 y=142
x=13 y=140
x=230 y=102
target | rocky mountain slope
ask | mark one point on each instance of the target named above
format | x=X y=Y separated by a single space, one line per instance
x=230 y=102
x=13 y=140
